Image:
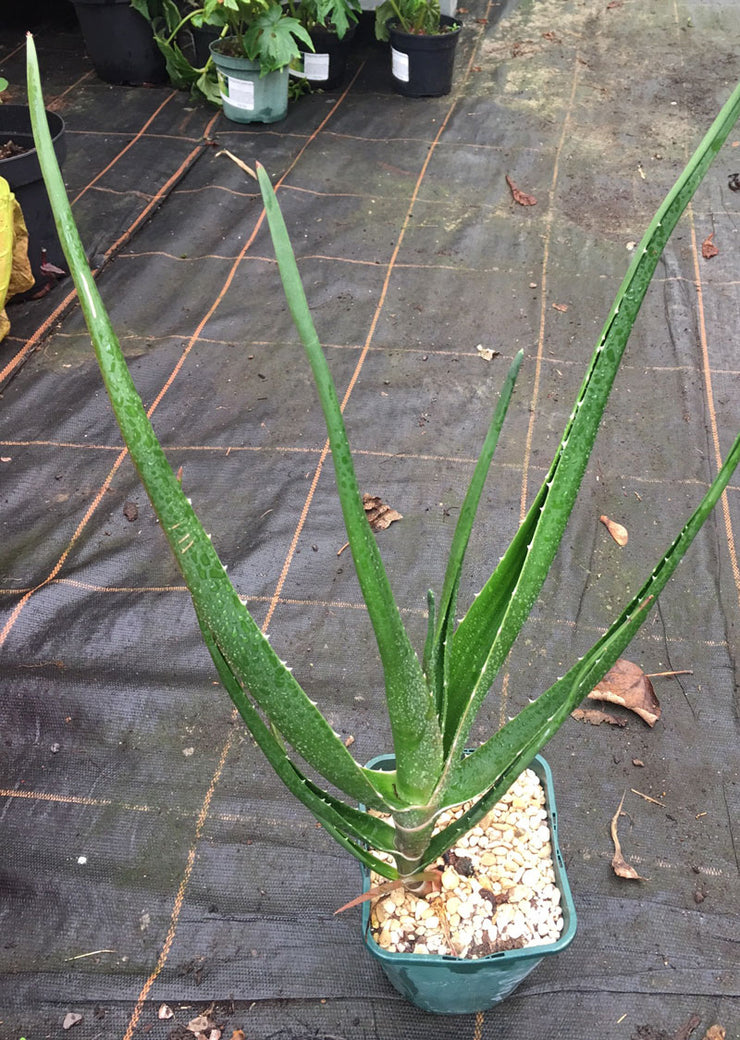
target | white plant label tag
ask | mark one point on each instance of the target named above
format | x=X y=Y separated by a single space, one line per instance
x=316 y=66
x=400 y=65
x=241 y=93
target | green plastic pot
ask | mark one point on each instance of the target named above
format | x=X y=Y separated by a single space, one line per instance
x=450 y=985
x=248 y=97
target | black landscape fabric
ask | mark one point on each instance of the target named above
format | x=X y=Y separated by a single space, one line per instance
x=148 y=855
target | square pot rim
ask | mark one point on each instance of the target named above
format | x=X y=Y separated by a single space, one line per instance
x=528 y=953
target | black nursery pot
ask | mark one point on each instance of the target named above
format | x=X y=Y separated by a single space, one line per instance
x=327 y=66
x=422 y=66
x=23 y=174
x=119 y=42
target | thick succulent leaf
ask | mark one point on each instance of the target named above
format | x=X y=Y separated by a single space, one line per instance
x=411 y=707
x=484 y=637
x=330 y=811
x=505 y=754
x=436 y=663
x=364 y=856
x=238 y=637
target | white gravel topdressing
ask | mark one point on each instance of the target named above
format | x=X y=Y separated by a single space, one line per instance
x=498 y=888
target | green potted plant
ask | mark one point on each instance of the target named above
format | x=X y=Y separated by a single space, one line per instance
x=183 y=38
x=331 y=24
x=432 y=698
x=259 y=41
x=423 y=43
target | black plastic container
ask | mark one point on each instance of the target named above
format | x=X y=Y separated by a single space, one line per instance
x=327 y=66
x=119 y=42
x=422 y=66
x=23 y=174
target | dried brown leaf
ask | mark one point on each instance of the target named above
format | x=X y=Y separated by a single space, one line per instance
x=486 y=353
x=520 y=196
x=715 y=1032
x=562 y=307
x=708 y=248
x=71 y=1019
x=430 y=876
x=617 y=531
x=238 y=1034
x=685 y=1031
x=627 y=685
x=379 y=515
x=620 y=866
x=596 y=717
x=200 y=1024
x=131 y=511
x=165 y=1011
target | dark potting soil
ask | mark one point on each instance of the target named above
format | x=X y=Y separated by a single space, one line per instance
x=9 y=149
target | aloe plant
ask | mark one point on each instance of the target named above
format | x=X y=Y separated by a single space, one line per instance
x=433 y=699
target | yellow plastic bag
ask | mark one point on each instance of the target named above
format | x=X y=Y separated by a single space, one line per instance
x=15 y=269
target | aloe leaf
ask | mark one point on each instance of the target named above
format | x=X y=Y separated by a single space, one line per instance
x=494 y=766
x=461 y=537
x=366 y=857
x=485 y=635
x=235 y=632
x=330 y=811
x=411 y=707
x=429 y=641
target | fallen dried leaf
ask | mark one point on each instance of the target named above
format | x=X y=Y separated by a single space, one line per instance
x=708 y=248
x=199 y=1024
x=637 y=762
x=596 y=717
x=618 y=533
x=715 y=1032
x=686 y=1030
x=552 y=37
x=522 y=47
x=627 y=685
x=238 y=1034
x=165 y=1011
x=520 y=196
x=349 y=741
x=379 y=515
x=620 y=866
x=486 y=353
x=562 y=307
x=71 y=1019
x=131 y=511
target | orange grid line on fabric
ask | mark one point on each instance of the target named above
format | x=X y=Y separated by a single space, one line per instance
x=137 y=137
x=711 y=406
x=60 y=310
